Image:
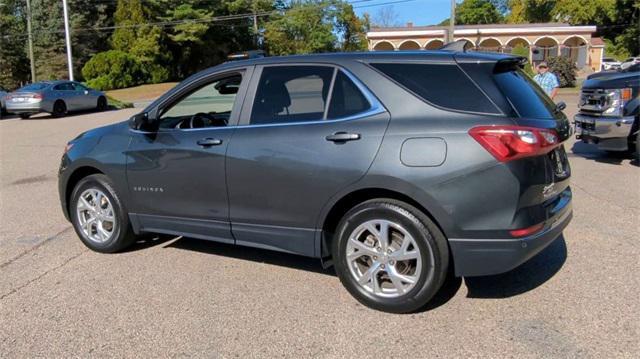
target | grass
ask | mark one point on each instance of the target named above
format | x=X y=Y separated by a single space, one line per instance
x=140 y=93
x=118 y=104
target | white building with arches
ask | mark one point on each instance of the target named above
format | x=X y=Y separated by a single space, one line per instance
x=542 y=40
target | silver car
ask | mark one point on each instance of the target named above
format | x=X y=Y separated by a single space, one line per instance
x=54 y=97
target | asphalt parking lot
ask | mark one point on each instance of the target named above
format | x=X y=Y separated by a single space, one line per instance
x=186 y=297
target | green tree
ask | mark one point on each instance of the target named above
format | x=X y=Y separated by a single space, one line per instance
x=144 y=41
x=473 y=12
x=520 y=50
x=305 y=28
x=48 y=40
x=530 y=11
x=14 y=64
x=351 y=28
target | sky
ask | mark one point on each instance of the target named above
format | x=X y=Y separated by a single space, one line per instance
x=420 y=12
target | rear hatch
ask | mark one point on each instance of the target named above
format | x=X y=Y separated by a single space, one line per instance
x=533 y=148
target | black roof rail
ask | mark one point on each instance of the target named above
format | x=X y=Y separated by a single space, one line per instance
x=457 y=46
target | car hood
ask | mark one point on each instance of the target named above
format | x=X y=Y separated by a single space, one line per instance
x=104 y=130
x=613 y=80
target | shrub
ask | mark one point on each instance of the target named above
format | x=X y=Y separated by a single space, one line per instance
x=564 y=69
x=112 y=70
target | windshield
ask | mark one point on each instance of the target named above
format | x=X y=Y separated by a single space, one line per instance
x=526 y=97
x=35 y=87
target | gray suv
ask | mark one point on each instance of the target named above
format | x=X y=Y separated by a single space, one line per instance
x=394 y=167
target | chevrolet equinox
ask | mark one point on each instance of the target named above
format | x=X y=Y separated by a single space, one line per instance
x=394 y=167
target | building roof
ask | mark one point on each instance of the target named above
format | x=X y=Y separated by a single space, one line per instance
x=486 y=29
x=597 y=41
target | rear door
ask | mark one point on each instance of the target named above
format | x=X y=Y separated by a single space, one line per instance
x=306 y=131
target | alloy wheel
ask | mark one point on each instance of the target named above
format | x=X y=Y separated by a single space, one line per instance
x=96 y=217
x=384 y=258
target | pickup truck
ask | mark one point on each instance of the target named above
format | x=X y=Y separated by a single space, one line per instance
x=609 y=110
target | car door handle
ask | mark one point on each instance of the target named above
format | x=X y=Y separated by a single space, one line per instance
x=343 y=137
x=207 y=142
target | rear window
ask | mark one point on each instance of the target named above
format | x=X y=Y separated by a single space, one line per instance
x=34 y=87
x=526 y=97
x=443 y=85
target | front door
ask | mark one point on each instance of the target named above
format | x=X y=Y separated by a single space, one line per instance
x=309 y=131
x=176 y=175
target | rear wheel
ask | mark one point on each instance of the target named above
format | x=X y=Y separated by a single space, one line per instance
x=102 y=104
x=59 y=108
x=390 y=256
x=638 y=146
x=98 y=216
x=24 y=116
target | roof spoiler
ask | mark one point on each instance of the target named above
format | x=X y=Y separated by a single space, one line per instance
x=510 y=64
x=456 y=46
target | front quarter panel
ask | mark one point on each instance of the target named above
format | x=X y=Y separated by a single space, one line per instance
x=102 y=149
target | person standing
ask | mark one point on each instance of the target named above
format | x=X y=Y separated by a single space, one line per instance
x=547 y=80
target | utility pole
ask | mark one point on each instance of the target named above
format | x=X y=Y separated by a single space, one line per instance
x=33 y=65
x=67 y=36
x=452 y=21
x=255 y=23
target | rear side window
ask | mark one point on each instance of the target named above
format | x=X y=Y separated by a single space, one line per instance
x=443 y=85
x=346 y=99
x=288 y=94
x=526 y=97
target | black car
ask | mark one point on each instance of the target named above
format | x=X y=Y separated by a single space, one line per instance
x=393 y=167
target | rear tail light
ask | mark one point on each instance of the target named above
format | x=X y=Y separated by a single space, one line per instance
x=37 y=96
x=508 y=143
x=527 y=231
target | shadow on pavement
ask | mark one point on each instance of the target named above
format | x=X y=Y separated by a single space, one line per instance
x=252 y=254
x=591 y=152
x=524 y=278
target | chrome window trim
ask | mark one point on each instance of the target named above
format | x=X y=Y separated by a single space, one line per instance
x=375 y=106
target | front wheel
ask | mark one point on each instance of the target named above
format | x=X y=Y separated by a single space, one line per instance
x=24 y=116
x=390 y=256
x=98 y=216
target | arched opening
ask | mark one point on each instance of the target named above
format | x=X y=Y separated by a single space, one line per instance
x=409 y=45
x=434 y=44
x=545 y=47
x=469 y=45
x=383 y=46
x=515 y=42
x=490 y=45
x=575 y=48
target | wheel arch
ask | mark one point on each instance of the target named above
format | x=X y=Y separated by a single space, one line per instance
x=76 y=176
x=352 y=199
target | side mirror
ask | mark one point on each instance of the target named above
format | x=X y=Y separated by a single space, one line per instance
x=86 y=92
x=141 y=122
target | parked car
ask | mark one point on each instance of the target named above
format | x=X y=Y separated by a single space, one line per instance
x=609 y=63
x=394 y=167
x=610 y=111
x=629 y=62
x=54 y=97
x=3 y=108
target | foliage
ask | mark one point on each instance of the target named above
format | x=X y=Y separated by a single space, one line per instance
x=520 y=50
x=617 y=51
x=114 y=69
x=14 y=71
x=49 y=45
x=473 y=12
x=565 y=69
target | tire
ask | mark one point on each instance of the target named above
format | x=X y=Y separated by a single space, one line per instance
x=111 y=217
x=638 y=146
x=419 y=278
x=102 y=104
x=24 y=116
x=59 y=109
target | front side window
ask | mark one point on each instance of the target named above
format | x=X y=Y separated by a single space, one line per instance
x=207 y=106
x=64 y=87
x=78 y=87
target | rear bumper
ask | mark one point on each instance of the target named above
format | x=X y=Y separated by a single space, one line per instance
x=25 y=107
x=478 y=257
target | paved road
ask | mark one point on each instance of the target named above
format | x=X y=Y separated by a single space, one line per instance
x=184 y=297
